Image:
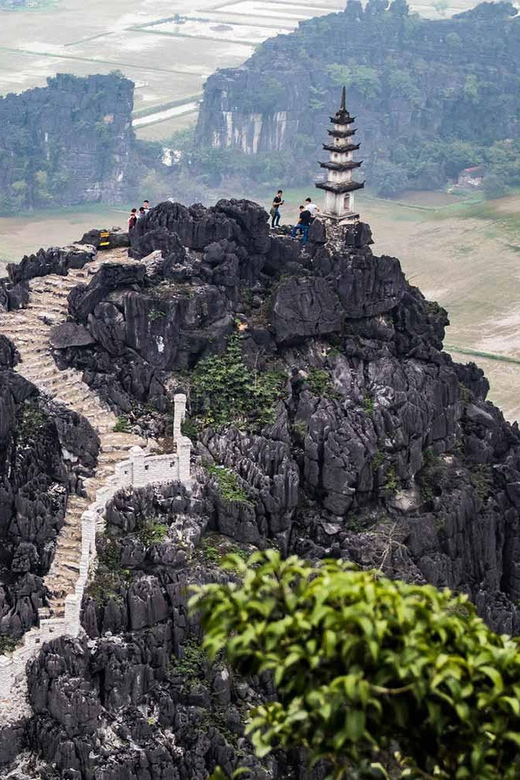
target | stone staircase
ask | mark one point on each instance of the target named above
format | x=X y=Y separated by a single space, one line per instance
x=29 y=330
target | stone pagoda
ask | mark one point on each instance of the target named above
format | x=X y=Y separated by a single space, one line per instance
x=340 y=186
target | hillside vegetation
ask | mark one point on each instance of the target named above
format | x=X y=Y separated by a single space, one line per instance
x=432 y=97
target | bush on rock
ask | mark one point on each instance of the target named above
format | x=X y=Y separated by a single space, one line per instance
x=362 y=663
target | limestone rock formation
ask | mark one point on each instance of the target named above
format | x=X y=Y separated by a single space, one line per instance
x=328 y=421
x=74 y=138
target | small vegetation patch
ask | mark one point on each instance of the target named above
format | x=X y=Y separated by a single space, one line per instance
x=191 y=667
x=429 y=478
x=482 y=480
x=110 y=576
x=214 y=548
x=368 y=404
x=7 y=644
x=30 y=420
x=393 y=483
x=152 y=532
x=320 y=383
x=228 y=484
x=123 y=425
x=224 y=391
x=378 y=460
x=156 y=314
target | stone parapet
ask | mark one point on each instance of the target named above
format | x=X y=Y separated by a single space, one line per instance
x=137 y=471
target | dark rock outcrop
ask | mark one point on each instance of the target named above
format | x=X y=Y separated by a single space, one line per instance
x=367 y=443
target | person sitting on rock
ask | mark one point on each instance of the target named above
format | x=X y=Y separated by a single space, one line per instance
x=132 y=219
x=312 y=207
x=275 y=209
x=303 y=225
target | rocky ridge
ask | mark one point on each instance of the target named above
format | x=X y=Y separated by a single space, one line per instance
x=328 y=422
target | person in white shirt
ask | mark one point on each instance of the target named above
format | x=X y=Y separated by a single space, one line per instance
x=312 y=207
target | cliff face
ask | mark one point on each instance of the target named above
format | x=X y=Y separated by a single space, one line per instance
x=432 y=95
x=66 y=144
x=328 y=421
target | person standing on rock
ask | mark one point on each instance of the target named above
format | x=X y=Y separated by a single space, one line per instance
x=142 y=213
x=146 y=206
x=312 y=207
x=303 y=225
x=275 y=209
x=132 y=219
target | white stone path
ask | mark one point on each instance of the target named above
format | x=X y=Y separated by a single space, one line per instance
x=121 y=462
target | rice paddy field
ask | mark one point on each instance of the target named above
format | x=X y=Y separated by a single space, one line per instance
x=167 y=47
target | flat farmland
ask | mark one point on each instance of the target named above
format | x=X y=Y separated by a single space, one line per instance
x=167 y=47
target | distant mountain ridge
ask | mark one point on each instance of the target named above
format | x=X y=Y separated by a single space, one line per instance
x=66 y=144
x=432 y=96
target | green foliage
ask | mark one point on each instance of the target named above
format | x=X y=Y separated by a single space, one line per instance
x=30 y=421
x=228 y=484
x=362 y=663
x=482 y=480
x=224 y=391
x=190 y=429
x=214 y=547
x=110 y=577
x=152 y=532
x=123 y=425
x=378 y=460
x=191 y=667
x=392 y=482
x=7 y=644
x=156 y=314
x=320 y=383
x=368 y=404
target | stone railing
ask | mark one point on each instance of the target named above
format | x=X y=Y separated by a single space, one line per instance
x=138 y=471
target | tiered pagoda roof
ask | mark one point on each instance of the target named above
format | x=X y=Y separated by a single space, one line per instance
x=348 y=165
x=341 y=154
x=345 y=148
x=340 y=187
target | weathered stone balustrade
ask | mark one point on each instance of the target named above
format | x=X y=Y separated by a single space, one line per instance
x=138 y=471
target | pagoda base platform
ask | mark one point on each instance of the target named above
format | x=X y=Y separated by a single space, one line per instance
x=345 y=219
x=336 y=229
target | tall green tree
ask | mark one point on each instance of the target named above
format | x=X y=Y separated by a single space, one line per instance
x=362 y=663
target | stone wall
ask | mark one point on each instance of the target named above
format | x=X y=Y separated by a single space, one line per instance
x=138 y=471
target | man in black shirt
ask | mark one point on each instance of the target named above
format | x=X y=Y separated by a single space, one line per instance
x=275 y=209
x=303 y=225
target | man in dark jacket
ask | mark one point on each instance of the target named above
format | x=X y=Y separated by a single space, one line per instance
x=303 y=225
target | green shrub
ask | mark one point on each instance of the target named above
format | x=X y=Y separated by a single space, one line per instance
x=7 y=644
x=152 y=532
x=320 y=383
x=224 y=391
x=363 y=664
x=228 y=484
x=30 y=420
x=123 y=425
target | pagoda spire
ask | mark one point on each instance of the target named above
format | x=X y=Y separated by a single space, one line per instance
x=340 y=186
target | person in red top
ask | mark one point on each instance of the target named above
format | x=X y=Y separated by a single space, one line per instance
x=132 y=219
